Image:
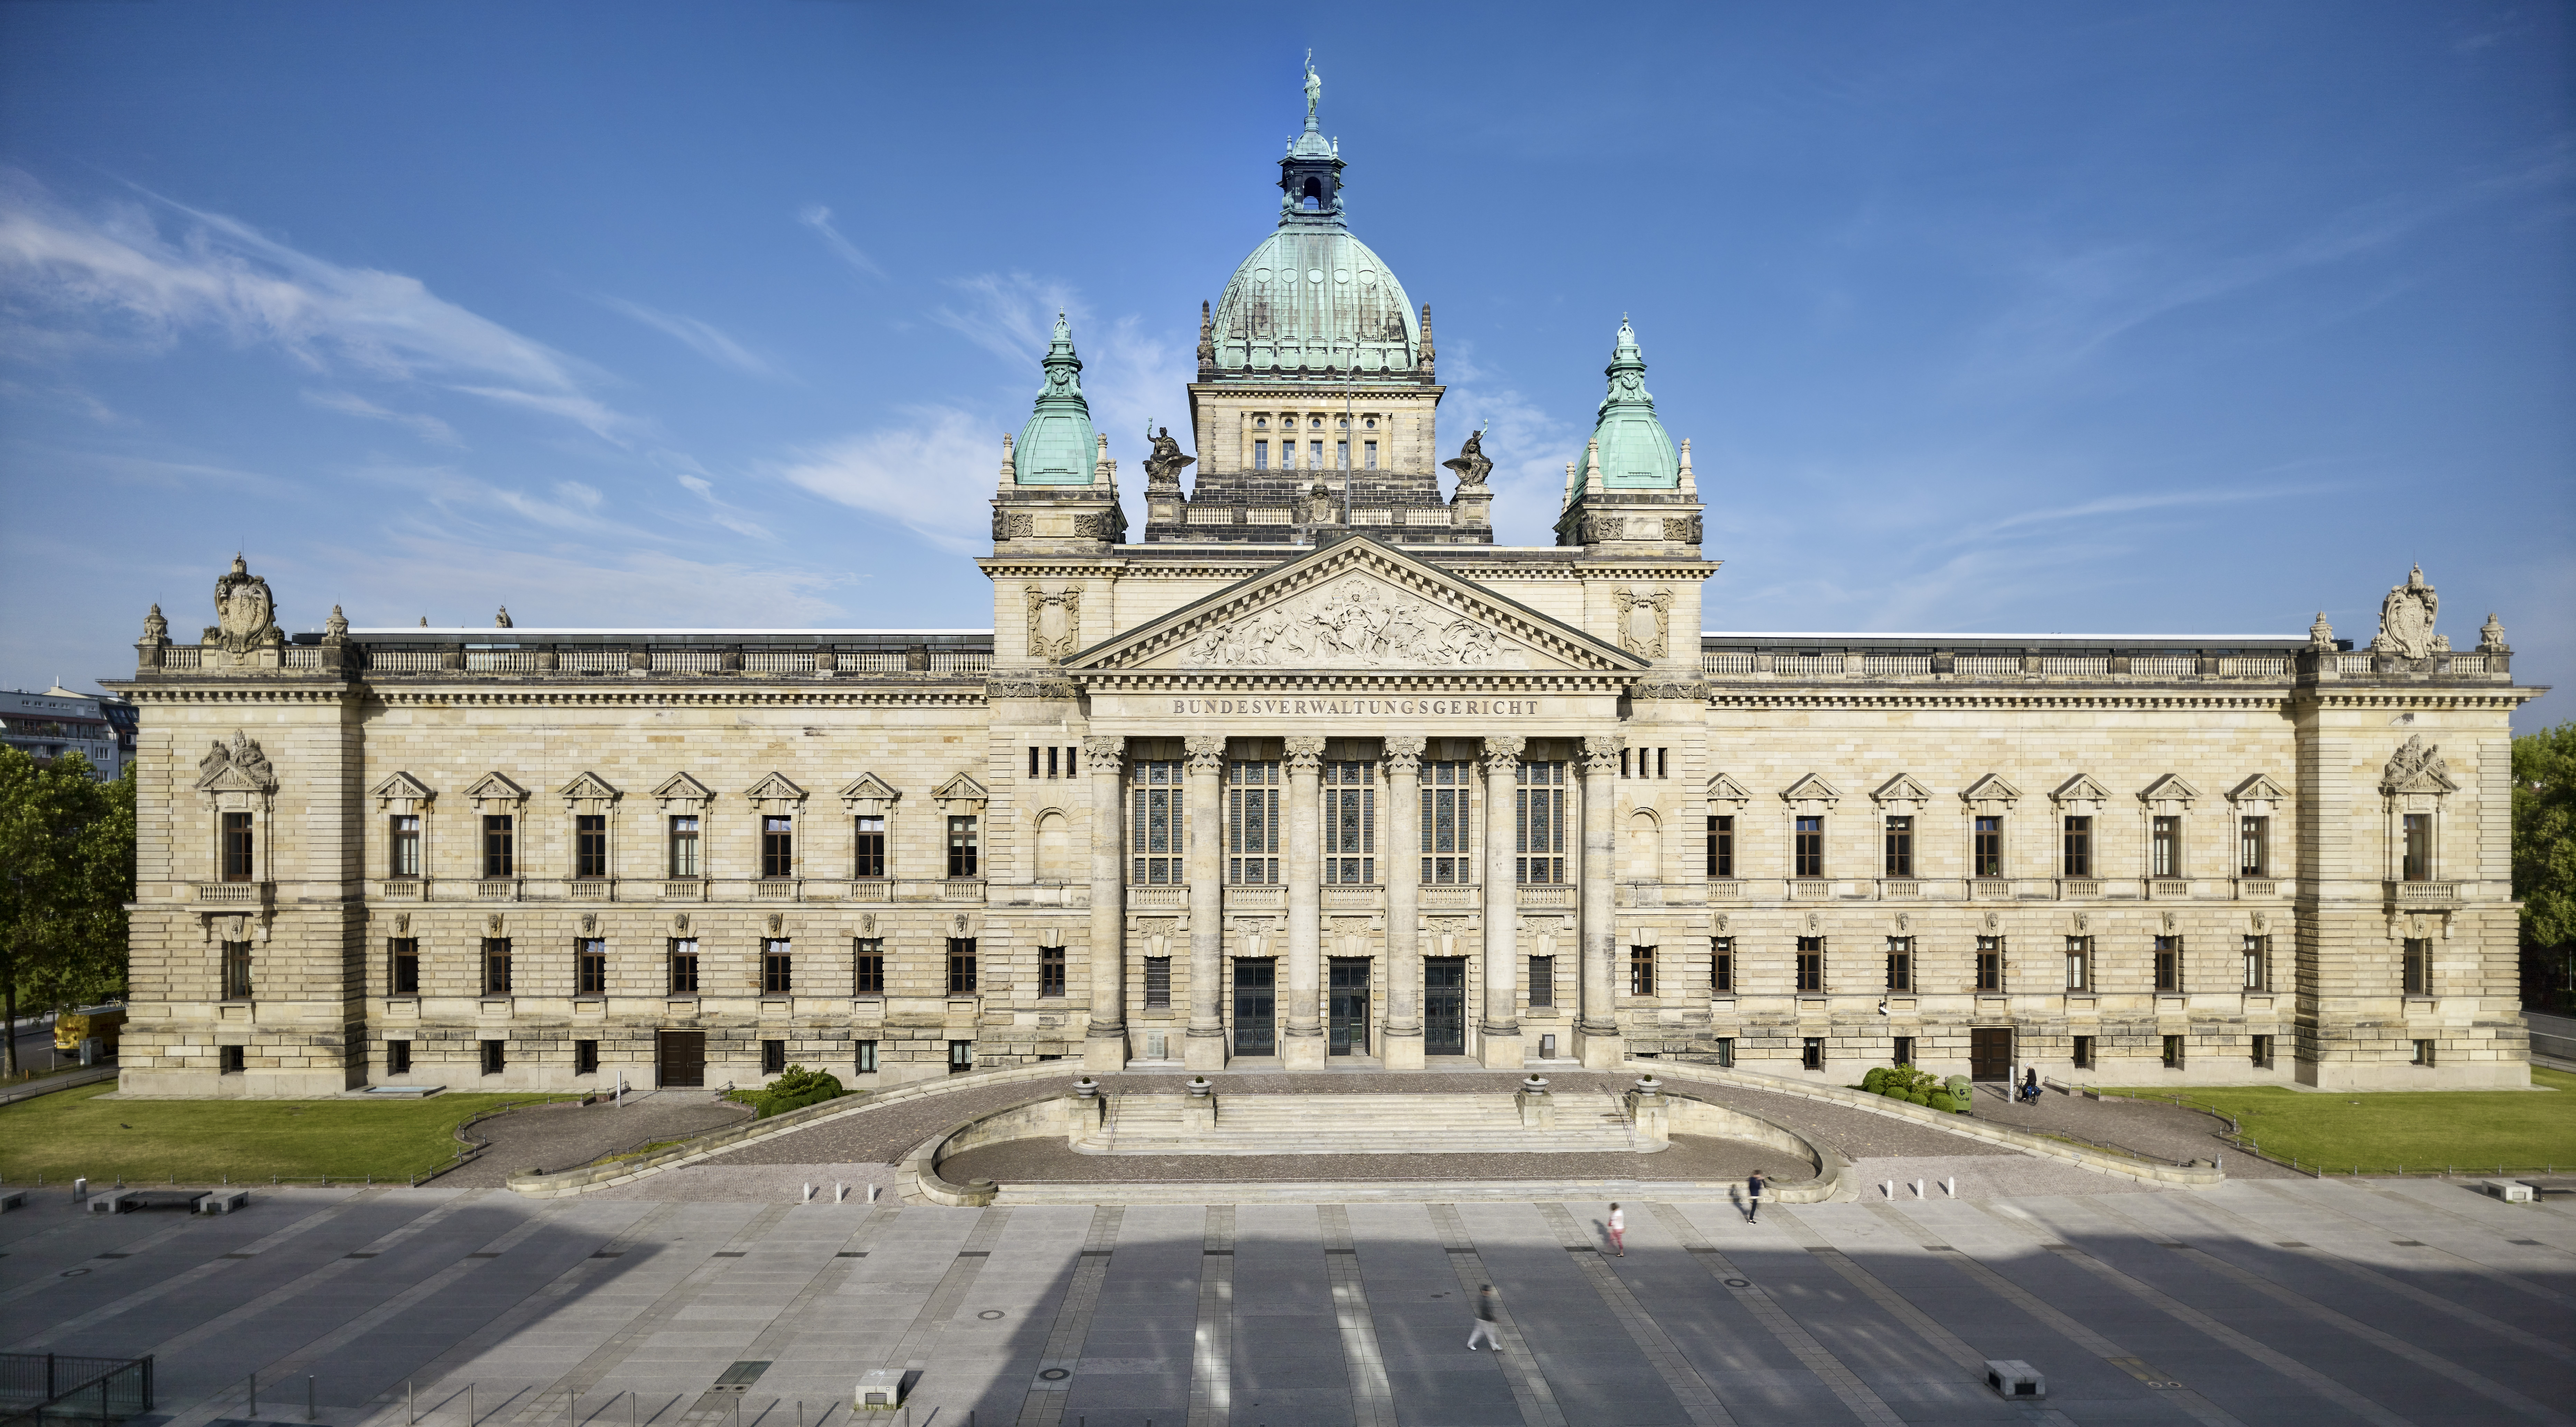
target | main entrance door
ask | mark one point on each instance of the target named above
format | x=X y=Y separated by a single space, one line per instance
x=680 y=1061
x=1444 y=1005
x=1990 y=1053
x=1256 y=1021
x=1349 y=1007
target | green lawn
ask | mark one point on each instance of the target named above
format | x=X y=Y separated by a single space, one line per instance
x=2416 y=1129
x=75 y=1132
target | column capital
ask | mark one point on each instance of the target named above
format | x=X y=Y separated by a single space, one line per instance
x=1502 y=755
x=1404 y=754
x=1207 y=752
x=1305 y=754
x=1601 y=753
x=1105 y=755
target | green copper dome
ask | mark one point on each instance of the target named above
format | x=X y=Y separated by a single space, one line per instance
x=1057 y=447
x=1635 y=452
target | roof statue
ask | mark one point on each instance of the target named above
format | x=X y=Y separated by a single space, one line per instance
x=2406 y=620
x=1314 y=88
x=1165 y=460
x=1471 y=462
x=245 y=612
x=1057 y=447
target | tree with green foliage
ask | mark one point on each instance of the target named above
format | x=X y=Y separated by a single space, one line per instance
x=2544 y=854
x=66 y=875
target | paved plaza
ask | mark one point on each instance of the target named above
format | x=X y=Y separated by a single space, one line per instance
x=2279 y=1300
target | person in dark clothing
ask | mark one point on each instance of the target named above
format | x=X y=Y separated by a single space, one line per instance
x=2030 y=1087
x=1488 y=1312
x=1753 y=1198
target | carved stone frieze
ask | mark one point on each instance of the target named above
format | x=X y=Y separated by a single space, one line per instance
x=2417 y=767
x=1029 y=688
x=1353 y=623
x=236 y=767
x=1105 y=755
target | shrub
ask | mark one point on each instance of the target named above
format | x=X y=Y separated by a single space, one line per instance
x=1875 y=1081
x=1917 y=1097
x=794 y=1090
x=1940 y=1100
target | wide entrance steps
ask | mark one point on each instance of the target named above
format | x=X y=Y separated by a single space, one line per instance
x=1362 y=1124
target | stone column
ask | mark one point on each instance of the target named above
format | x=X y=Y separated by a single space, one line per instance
x=1204 y=1047
x=1400 y=1046
x=1301 y=1046
x=1501 y=1031
x=1596 y=1033
x=1104 y=1045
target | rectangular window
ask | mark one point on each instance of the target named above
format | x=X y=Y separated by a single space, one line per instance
x=684 y=847
x=406 y=833
x=585 y=1057
x=2083 y=1052
x=1900 y=847
x=1813 y=1056
x=2164 y=847
x=403 y=978
x=2173 y=1052
x=1314 y=455
x=1726 y=1052
x=2253 y=847
x=590 y=845
x=500 y=846
x=496 y=1057
x=1261 y=455
x=1050 y=971
x=1623 y=761
x=1904 y=1051
x=398 y=1057
x=1809 y=848
x=1811 y=963
x=1252 y=806
x=2424 y=1053
x=1900 y=963
x=1446 y=858
x=1641 y=971
x=1033 y=760
x=496 y=966
x=590 y=967
x=1538 y=812
x=962 y=858
x=2419 y=847
x=1350 y=823
x=1721 y=846
x=871 y=838
x=777 y=968
x=961 y=966
x=1542 y=981
x=229 y=1059
x=1988 y=849
x=1990 y=963
x=961 y=1057
x=1158 y=981
x=777 y=847
x=1368 y=453
x=1722 y=965
x=684 y=966
x=2262 y=1052
x=863 y=1060
x=773 y=1057
x=236 y=848
x=2079 y=848
x=1154 y=824
x=236 y=971
x=1341 y=455
x=868 y=969
x=2419 y=966
x=2079 y=963
x=2258 y=963
x=2169 y=963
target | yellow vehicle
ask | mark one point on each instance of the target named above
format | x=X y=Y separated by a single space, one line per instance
x=101 y=1022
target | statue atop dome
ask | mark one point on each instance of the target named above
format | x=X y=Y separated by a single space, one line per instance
x=1314 y=88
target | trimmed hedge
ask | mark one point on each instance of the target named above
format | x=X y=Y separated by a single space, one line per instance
x=793 y=1090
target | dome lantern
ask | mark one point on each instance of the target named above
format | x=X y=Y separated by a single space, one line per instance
x=1635 y=452
x=1056 y=448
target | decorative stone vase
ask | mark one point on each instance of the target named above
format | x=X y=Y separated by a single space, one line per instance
x=1199 y=1086
x=1650 y=1085
x=1536 y=1084
x=1086 y=1088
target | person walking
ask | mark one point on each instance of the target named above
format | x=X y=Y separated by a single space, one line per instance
x=1488 y=1312
x=1619 y=1230
x=1753 y=1198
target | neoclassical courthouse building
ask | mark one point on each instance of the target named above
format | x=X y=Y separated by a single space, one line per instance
x=1316 y=774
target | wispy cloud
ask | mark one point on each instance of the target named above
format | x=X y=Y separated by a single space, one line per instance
x=700 y=337
x=1528 y=445
x=819 y=218
x=427 y=428
x=2150 y=500
x=1011 y=315
x=930 y=474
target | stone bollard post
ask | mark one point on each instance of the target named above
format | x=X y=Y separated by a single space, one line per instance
x=1198 y=1110
x=1650 y=1114
x=1537 y=1106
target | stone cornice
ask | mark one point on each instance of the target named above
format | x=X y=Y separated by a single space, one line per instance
x=1503 y=681
x=2419 y=697
x=912 y=696
x=1992 y=698
x=212 y=693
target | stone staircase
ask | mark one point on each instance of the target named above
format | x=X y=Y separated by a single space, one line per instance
x=1363 y=1124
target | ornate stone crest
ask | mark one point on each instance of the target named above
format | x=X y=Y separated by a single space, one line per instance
x=1355 y=622
x=1055 y=622
x=237 y=767
x=2417 y=767
x=245 y=612
x=1643 y=618
x=2406 y=619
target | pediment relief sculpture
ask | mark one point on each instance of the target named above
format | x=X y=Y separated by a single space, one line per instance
x=776 y=788
x=1723 y=788
x=589 y=793
x=1644 y=617
x=2258 y=789
x=681 y=793
x=2406 y=620
x=2417 y=767
x=1901 y=789
x=868 y=794
x=1055 y=622
x=401 y=793
x=1992 y=788
x=1355 y=622
x=236 y=767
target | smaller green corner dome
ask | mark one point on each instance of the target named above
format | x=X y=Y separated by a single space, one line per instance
x=1057 y=447
x=1635 y=452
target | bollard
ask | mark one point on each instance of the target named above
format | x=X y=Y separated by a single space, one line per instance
x=1887 y=1187
x=630 y=1397
x=1951 y=1184
x=809 y=1194
x=308 y=1397
x=872 y=1194
x=1918 y=1189
x=470 y=1415
x=80 y=1189
x=840 y=1192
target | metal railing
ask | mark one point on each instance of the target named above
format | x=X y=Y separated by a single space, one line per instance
x=46 y=1389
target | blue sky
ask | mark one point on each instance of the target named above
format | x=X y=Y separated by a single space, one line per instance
x=1998 y=318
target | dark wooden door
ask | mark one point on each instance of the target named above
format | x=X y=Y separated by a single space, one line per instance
x=1256 y=1006
x=1444 y=1005
x=682 y=1062
x=1349 y=1008
x=1990 y=1053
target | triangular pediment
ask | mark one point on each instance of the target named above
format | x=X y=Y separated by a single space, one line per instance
x=680 y=787
x=401 y=787
x=1724 y=789
x=1811 y=789
x=775 y=788
x=495 y=788
x=2259 y=788
x=1992 y=788
x=1354 y=605
x=2417 y=767
x=590 y=787
x=2082 y=788
x=2171 y=788
x=870 y=787
x=1902 y=789
x=960 y=789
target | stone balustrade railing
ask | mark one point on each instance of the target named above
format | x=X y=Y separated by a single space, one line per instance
x=716 y=657
x=1729 y=659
